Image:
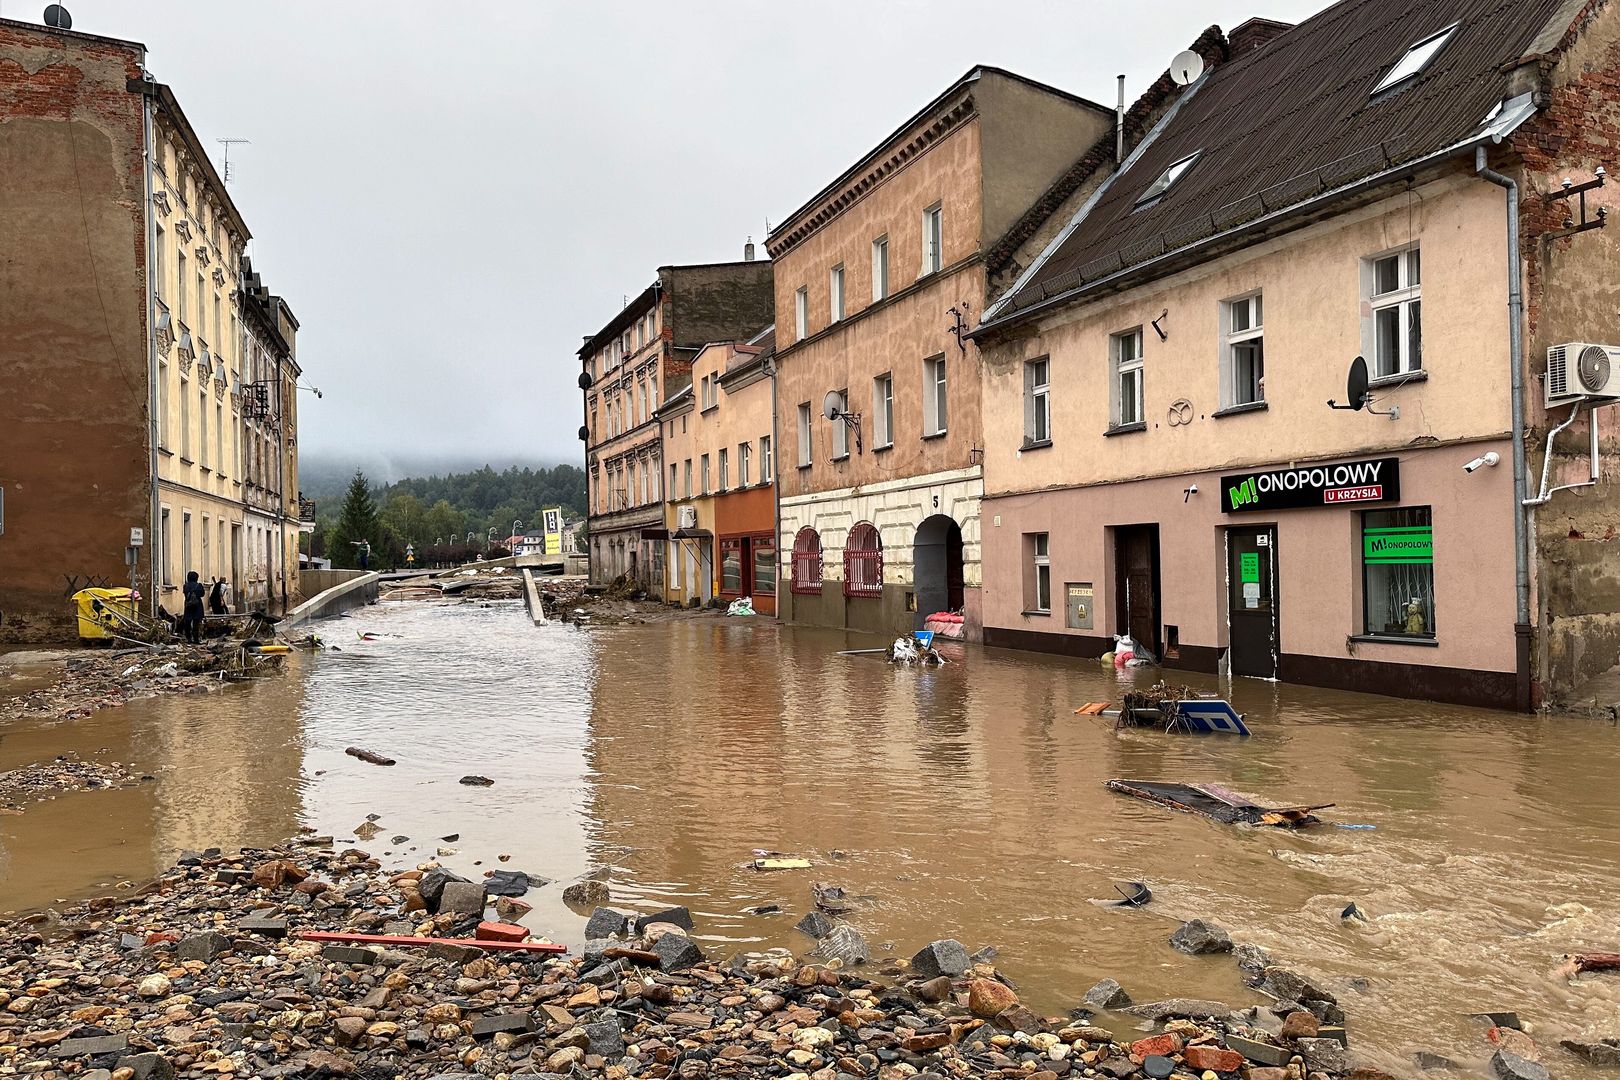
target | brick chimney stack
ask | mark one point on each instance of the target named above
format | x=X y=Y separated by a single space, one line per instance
x=1254 y=34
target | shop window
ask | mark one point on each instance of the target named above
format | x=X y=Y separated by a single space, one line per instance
x=863 y=561
x=731 y=567
x=806 y=576
x=1397 y=572
x=764 y=552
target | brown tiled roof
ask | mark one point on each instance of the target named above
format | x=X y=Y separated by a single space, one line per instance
x=1295 y=118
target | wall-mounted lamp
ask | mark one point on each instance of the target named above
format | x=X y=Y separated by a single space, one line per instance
x=1188 y=492
x=1157 y=329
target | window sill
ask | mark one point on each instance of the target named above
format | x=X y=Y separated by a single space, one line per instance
x=1394 y=639
x=1246 y=407
x=1125 y=429
x=935 y=435
x=1389 y=382
x=803 y=465
x=708 y=409
x=837 y=458
x=1036 y=444
x=186 y=461
x=165 y=451
x=881 y=449
x=1037 y=614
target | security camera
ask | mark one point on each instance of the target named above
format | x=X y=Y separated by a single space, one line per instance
x=1490 y=458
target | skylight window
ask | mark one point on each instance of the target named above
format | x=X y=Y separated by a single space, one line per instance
x=1416 y=59
x=1175 y=172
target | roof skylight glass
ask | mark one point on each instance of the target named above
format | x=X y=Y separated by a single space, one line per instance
x=1166 y=178
x=1416 y=59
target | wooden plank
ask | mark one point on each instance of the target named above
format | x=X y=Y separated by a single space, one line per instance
x=406 y=941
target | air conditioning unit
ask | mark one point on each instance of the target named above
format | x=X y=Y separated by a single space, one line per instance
x=1580 y=369
x=686 y=517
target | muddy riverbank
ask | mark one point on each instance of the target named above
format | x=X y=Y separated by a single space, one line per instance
x=966 y=802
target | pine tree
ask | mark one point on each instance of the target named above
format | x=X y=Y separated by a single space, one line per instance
x=357 y=522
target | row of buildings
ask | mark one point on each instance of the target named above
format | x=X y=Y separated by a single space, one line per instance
x=148 y=376
x=1069 y=372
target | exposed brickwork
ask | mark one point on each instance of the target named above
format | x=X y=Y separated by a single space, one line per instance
x=1571 y=294
x=74 y=450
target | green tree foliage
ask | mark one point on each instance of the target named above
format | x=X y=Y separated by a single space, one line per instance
x=357 y=522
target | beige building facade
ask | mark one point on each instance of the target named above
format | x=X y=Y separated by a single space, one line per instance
x=1163 y=461
x=878 y=278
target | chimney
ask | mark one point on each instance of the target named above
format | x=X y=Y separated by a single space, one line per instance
x=748 y=250
x=1119 y=126
x=1254 y=34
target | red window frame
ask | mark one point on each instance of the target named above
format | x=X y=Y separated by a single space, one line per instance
x=807 y=561
x=863 y=561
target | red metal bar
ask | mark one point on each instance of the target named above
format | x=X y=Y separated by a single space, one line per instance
x=399 y=939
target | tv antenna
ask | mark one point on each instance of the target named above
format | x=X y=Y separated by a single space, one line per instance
x=225 y=165
x=1356 y=392
x=1185 y=67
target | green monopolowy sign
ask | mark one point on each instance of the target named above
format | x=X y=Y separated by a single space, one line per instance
x=1410 y=544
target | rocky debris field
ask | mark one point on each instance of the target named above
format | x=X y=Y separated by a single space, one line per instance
x=95 y=680
x=204 y=972
x=34 y=783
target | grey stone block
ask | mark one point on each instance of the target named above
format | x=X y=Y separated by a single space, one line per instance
x=944 y=957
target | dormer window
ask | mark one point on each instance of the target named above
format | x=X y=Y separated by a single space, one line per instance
x=1416 y=59
x=1156 y=190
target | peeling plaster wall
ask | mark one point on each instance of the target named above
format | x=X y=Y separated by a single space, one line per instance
x=74 y=452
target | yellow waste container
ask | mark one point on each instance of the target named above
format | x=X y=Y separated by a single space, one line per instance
x=104 y=612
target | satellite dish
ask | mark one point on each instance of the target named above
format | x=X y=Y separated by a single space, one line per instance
x=585 y=380
x=832 y=406
x=1186 y=67
x=1356 y=385
x=56 y=15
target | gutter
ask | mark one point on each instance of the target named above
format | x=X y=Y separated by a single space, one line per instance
x=1521 y=538
x=154 y=533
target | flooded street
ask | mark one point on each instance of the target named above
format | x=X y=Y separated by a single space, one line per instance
x=964 y=802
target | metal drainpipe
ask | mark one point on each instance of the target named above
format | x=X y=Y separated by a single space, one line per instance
x=776 y=491
x=154 y=545
x=1521 y=538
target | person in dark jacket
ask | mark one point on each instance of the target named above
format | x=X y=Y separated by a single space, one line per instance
x=192 y=618
x=216 y=598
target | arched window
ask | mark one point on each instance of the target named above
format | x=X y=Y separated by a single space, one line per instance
x=863 y=561
x=807 y=561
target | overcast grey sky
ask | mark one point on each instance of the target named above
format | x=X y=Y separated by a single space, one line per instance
x=450 y=195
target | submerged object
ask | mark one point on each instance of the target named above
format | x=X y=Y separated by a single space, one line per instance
x=1218 y=803
x=1136 y=893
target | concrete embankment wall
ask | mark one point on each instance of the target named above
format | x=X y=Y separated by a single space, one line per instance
x=348 y=589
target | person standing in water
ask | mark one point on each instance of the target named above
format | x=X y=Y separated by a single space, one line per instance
x=191 y=620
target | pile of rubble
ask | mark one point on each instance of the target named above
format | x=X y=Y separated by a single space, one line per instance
x=208 y=972
x=102 y=680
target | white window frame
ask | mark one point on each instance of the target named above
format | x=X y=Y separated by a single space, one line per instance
x=883 y=411
x=840 y=428
x=801 y=313
x=936 y=396
x=835 y=292
x=703 y=475
x=744 y=451
x=688 y=478
x=1038 y=401
x=725 y=469
x=806 y=447
x=880 y=268
x=1251 y=308
x=933 y=240
x=1415 y=60
x=1126 y=370
x=767 y=463
x=1042 y=572
x=674 y=480
x=1406 y=299
x=163 y=425
x=185 y=418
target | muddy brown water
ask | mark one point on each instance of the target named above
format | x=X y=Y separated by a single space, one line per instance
x=964 y=802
